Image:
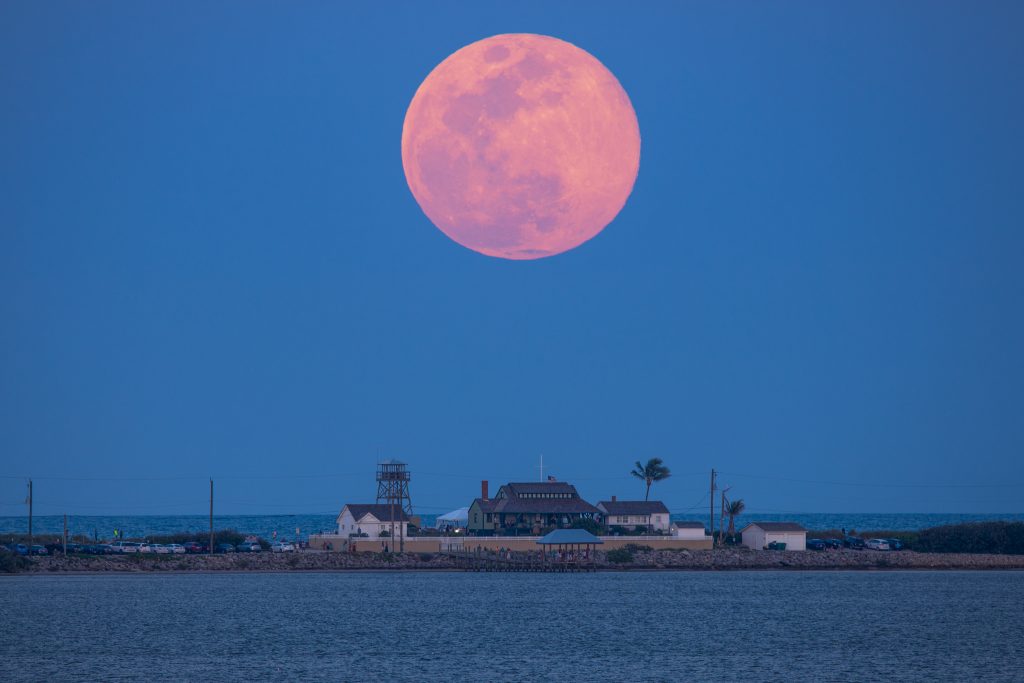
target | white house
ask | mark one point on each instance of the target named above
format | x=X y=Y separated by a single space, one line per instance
x=758 y=535
x=372 y=520
x=688 y=531
x=635 y=513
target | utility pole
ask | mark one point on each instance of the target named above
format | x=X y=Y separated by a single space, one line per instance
x=541 y=468
x=30 y=537
x=711 y=527
x=211 y=515
x=65 y=539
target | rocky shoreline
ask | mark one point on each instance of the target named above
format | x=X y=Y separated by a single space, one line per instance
x=699 y=560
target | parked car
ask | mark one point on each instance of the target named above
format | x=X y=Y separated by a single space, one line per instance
x=160 y=549
x=895 y=544
x=175 y=548
x=125 y=547
x=282 y=547
x=877 y=544
x=19 y=548
x=833 y=543
x=39 y=550
x=816 y=544
x=193 y=547
x=248 y=547
x=224 y=548
x=853 y=542
x=146 y=548
x=104 y=549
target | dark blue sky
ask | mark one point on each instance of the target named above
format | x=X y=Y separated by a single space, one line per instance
x=210 y=263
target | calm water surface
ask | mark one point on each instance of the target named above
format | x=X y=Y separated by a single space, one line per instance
x=759 y=626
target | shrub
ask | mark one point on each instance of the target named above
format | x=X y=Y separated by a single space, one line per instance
x=12 y=562
x=620 y=555
x=588 y=525
x=636 y=548
x=977 y=537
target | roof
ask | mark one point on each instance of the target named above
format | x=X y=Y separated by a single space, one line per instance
x=776 y=526
x=569 y=537
x=528 y=498
x=541 y=487
x=381 y=511
x=461 y=513
x=485 y=504
x=681 y=524
x=633 y=507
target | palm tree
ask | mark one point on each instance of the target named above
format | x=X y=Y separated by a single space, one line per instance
x=653 y=471
x=734 y=509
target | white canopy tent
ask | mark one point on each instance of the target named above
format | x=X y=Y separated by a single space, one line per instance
x=456 y=519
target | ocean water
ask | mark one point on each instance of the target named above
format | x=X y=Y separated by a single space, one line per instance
x=407 y=626
x=141 y=526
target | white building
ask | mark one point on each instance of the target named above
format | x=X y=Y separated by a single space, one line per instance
x=372 y=520
x=758 y=535
x=689 y=531
x=633 y=514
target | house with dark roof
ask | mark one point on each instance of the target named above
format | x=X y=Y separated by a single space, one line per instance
x=758 y=535
x=525 y=508
x=635 y=514
x=373 y=519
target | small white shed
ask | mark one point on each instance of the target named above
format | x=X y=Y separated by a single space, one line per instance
x=688 y=531
x=758 y=535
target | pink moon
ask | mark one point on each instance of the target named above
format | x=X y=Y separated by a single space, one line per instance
x=521 y=146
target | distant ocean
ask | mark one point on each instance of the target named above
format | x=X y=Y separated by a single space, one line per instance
x=301 y=526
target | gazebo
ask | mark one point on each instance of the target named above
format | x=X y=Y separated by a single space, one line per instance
x=571 y=546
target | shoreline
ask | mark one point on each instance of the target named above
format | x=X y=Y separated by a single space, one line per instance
x=722 y=560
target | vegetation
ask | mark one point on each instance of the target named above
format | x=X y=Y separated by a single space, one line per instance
x=979 y=537
x=734 y=510
x=637 y=548
x=654 y=470
x=620 y=556
x=11 y=562
x=588 y=525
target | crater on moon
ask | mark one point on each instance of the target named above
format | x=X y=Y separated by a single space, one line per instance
x=521 y=146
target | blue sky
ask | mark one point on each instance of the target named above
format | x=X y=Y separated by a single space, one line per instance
x=211 y=265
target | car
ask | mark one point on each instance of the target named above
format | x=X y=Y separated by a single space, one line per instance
x=146 y=548
x=19 y=548
x=126 y=547
x=895 y=544
x=833 y=543
x=853 y=543
x=282 y=547
x=161 y=549
x=877 y=544
x=224 y=548
x=193 y=547
x=248 y=547
x=816 y=544
x=175 y=549
x=39 y=550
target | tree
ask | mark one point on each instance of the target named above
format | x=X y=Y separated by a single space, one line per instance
x=734 y=509
x=653 y=471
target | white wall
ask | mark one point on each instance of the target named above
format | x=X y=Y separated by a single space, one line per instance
x=689 y=534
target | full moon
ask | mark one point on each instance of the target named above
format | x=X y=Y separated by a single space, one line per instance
x=521 y=146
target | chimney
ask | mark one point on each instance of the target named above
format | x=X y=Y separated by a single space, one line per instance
x=613 y=499
x=483 y=489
